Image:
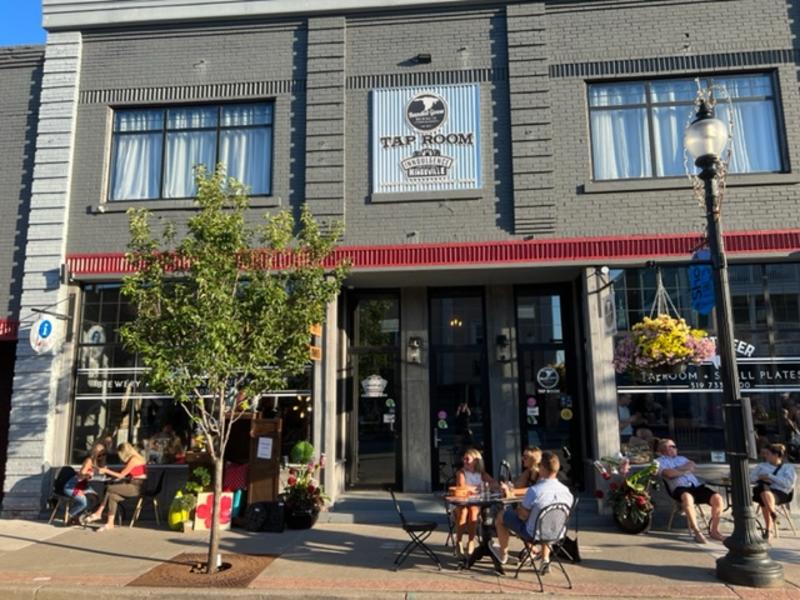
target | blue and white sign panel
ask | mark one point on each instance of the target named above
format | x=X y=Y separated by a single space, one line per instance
x=426 y=139
x=44 y=335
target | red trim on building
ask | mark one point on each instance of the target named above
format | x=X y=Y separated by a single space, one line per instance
x=571 y=250
x=8 y=330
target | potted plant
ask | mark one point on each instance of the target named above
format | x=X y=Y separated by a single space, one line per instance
x=662 y=345
x=628 y=493
x=303 y=496
x=185 y=500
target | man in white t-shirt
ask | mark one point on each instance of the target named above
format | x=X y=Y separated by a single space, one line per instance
x=546 y=491
x=684 y=487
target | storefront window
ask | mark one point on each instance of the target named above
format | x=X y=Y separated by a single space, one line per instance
x=687 y=406
x=114 y=405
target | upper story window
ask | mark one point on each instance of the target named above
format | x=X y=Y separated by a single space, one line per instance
x=637 y=127
x=155 y=151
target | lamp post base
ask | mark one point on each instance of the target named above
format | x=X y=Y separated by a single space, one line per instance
x=757 y=570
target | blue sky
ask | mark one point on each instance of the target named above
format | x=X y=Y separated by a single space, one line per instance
x=21 y=22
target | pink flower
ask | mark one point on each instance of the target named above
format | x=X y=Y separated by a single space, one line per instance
x=206 y=511
x=606 y=475
x=641 y=501
x=599 y=494
x=311 y=489
x=292 y=480
x=613 y=486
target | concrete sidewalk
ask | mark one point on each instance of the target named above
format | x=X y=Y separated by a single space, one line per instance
x=347 y=560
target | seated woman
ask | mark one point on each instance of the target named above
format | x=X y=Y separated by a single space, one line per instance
x=129 y=484
x=531 y=457
x=78 y=486
x=774 y=483
x=474 y=476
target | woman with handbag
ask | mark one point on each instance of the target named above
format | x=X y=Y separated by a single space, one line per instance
x=774 y=482
x=129 y=483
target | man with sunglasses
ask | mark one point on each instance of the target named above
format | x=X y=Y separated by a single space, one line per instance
x=684 y=487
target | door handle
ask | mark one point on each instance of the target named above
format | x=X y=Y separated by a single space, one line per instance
x=436 y=439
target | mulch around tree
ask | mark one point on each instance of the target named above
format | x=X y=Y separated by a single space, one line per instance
x=177 y=572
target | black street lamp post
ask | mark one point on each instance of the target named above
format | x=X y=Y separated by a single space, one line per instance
x=747 y=562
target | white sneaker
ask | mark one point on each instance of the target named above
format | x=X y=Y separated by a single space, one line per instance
x=502 y=557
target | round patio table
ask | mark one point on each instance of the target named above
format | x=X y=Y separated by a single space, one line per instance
x=485 y=531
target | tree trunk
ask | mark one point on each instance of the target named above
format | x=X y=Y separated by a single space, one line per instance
x=213 y=545
x=219 y=463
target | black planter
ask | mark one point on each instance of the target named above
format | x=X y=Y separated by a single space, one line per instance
x=301 y=518
x=627 y=524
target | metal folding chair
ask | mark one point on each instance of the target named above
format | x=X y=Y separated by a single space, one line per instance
x=418 y=531
x=58 y=499
x=549 y=529
x=677 y=508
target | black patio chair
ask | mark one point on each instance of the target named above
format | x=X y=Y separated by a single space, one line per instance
x=549 y=529
x=151 y=494
x=504 y=475
x=57 y=496
x=418 y=531
x=451 y=518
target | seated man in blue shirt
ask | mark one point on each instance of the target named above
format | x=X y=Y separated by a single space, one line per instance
x=684 y=487
x=546 y=491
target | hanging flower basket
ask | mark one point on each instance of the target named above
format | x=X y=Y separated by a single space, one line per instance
x=662 y=345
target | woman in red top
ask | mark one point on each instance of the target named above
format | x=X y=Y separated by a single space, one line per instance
x=129 y=483
x=78 y=486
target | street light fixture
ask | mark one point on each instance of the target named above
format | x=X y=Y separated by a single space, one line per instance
x=747 y=562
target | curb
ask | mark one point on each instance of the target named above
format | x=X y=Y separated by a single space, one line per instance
x=22 y=592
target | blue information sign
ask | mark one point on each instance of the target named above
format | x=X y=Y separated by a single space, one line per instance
x=701 y=283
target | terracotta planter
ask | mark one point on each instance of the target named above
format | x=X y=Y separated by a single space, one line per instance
x=301 y=518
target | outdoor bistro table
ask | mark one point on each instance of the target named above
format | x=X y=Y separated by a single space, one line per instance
x=485 y=532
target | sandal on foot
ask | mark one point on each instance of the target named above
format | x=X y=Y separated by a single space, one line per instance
x=699 y=537
x=717 y=536
x=103 y=528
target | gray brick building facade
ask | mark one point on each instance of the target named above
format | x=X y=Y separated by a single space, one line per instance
x=482 y=287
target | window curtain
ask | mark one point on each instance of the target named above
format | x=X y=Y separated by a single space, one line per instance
x=669 y=124
x=186 y=150
x=245 y=153
x=755 y=139
x=136 y=170
x=620 y=140
x=620 y=144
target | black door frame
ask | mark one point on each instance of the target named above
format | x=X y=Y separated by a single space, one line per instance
x=458 y=292
x=570 y=324
x=352 y=388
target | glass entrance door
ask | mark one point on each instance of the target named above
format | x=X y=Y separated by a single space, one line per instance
x=375 y=417
x=549 y=413
x=458 y=392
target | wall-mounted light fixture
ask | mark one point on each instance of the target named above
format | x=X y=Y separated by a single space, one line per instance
x=423 y=58
x=503 y=348
x=414 y=350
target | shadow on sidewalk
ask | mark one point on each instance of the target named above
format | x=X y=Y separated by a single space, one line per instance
x=684 y=573
x=79 y=548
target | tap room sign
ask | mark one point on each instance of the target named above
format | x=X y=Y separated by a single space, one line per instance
x=426 y=139
x=756 y=376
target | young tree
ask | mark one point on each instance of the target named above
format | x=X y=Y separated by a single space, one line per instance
x=220 y=320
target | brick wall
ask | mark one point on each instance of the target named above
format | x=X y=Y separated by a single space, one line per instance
x=532 y=61
x=20 y=86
